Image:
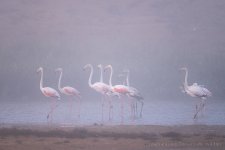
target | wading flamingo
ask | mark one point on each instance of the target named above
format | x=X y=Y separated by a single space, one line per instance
x=121 y=89
x=99 y=87
x=48 y=92
x=68 y=90
x=195 y=90
x=134 y=93
x=109 y=93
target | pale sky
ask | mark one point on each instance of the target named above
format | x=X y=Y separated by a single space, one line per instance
x=153 y=38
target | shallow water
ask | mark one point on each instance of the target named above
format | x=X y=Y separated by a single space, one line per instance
x=155 y=112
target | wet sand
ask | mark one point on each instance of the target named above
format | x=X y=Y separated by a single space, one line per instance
x=120 y=137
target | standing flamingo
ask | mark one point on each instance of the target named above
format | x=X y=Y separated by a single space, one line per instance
x=121 y=89
x=48 y=92
x=67 y=90
x=134 y=93
x=109 y=93
x=99 y=87
x=195 y=90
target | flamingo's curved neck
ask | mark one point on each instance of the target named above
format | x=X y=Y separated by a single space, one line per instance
x=90 y=77
x=101 y=74
x=185 y=79
x=110 y=78
x=59 y=83
x=41 y=81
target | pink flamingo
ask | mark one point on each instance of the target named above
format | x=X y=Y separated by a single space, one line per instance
x=99 y=87
x=67 y=90
x=109 y=93
x=121 y=89
x=195 y=90
x=134 y=93
x=48 y=92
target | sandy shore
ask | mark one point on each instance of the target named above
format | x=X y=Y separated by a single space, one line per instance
x=97 y=137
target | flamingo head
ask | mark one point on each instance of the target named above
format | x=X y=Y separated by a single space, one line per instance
x=86 y=66
x=107 y=67
x=39 y=69
x=183 y=69
x=59 y=70
x=100 y=66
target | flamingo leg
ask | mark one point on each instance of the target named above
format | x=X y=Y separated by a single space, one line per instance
x=103 y=100
x=142 y=105
x=112 y=112
x=132 y=109
x=201 y=105
x=136 y=108
x=50 y=114
x=197 y=110
x=71 y=106
x=131 y=106
x=79 y=107
x=109 y=109
x=122 y=110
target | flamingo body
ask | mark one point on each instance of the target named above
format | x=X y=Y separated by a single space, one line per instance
x=50 y=92
x=122 y=89
x=198 y=91
x=195 y=90
x=67 y=90
x=100 y=87
x=47 y=91
x=133 y=92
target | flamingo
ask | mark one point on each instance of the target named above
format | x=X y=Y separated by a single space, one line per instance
x=48 y=92
x=133 y=92
x=195 y=90
x=121 y=89
x=68 y=90
x=109 y=93
x=99 y=87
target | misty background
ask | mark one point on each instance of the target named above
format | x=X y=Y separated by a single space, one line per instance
x=152 y=38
